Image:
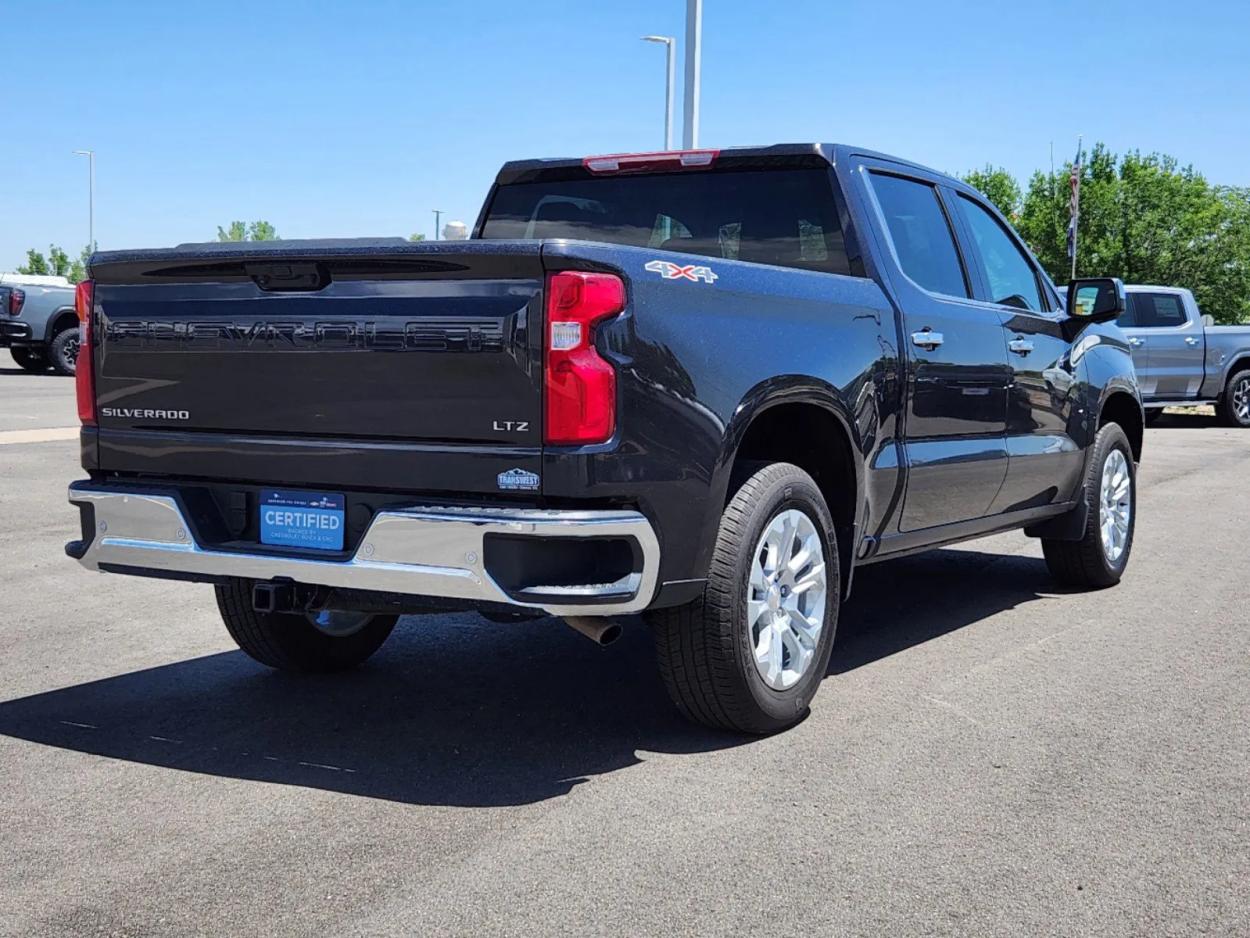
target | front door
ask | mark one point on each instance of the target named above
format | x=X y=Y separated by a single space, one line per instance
x=1044 y=463
x=957 y=361
x=1168 y=346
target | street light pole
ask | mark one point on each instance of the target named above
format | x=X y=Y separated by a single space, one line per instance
x=90 y=155
x=670 y=56
x=694 y=36
x=438 y=214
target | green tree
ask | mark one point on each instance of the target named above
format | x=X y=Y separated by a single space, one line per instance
x=999 y=186
x=56 y=263
x=261 y=231
x=416 y=237
x=36 y=263
x=1146 y=219
x=243 y=231
x=78 y=269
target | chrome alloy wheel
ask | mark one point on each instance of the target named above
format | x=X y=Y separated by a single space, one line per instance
x=1115 y=506
x=786 y=598
x=1241 y=399
x=338 y=623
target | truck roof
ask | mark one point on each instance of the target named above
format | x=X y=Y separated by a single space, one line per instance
x=1153 y=288
x=757 y=157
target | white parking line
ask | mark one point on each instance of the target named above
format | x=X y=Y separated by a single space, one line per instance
x=38 y=436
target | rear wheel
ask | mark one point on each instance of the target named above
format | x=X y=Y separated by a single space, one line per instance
x=63 y=351
x=30 y=359
x=1099 y=558
x=291 y=641
x=1234 y=407
x=751 y=653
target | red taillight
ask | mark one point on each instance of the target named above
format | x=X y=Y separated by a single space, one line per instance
x=581 y=385
x=16 y=299
x=84 y=380
x=664 y=160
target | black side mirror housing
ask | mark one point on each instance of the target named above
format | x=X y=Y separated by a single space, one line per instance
x=1096 y=299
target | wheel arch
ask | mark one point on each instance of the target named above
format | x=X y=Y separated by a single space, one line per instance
x=1240 y=363
x=764 y=429
x=61 y=319
x=1124 y=408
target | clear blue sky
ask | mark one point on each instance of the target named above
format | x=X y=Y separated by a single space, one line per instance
x=358 y=118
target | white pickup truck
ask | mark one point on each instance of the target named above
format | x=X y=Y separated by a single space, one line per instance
x=1181 y=358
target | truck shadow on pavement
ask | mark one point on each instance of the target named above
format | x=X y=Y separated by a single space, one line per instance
x=457 y=711
x=898 y=604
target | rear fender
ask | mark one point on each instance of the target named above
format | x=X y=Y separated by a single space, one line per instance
x=63 y=318
x=1239 y=362
x=766 y=396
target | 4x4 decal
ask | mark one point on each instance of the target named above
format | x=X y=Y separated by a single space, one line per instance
x=670 y=271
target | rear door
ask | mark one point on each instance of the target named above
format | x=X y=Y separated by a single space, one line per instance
x=1172 y=343
x=958 y=373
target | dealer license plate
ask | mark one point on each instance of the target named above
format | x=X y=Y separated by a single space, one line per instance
x=301 y=519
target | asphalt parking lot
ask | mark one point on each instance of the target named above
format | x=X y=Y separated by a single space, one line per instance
x=989 y=756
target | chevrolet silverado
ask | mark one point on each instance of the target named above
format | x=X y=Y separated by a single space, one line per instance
x=704 y=386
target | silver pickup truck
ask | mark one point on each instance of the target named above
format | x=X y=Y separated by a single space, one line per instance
x=1181 y=358
x=38 y=324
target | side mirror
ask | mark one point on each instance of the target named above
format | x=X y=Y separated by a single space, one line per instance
x=1096 y=299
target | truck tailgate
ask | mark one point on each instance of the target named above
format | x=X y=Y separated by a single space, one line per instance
x=405 y=346
x=272 y=362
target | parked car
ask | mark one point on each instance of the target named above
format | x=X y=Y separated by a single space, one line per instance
x=704 y=386
x=38 y=323
x=1182 y=358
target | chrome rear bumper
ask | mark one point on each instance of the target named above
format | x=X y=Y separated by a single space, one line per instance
x=421 y=551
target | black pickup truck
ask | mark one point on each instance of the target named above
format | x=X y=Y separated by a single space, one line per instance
x=704 y=386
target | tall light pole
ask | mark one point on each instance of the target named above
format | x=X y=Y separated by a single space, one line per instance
x=438 y=214
x=90 y=155
x=694 y=36
x=668 y=86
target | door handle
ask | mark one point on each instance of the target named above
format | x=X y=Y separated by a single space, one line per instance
x=1020 y=346
x=1190 y=341
x=927 y=339
x=1136 y=342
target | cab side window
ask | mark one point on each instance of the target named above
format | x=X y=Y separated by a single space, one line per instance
x=1012 y=278
x=921 y=234
x=1154 y=311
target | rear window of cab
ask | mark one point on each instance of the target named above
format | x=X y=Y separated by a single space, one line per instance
x=788 y=218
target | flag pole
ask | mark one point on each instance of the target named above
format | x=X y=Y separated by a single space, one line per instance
x=1054 y=208
x=1076 y=201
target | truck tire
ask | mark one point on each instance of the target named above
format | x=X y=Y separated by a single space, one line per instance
x=1234 y=406
x=290 y=641
x=63 y=351
x=1099 y=558
x=34 y=360
x=750 y=654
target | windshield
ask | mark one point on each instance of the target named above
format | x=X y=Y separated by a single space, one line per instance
x=783 y=217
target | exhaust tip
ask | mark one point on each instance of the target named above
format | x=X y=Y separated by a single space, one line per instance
x=602 y=632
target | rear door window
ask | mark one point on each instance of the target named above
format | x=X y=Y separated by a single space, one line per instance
x=1155 y=311
x=786 y=217
x=921 y=234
